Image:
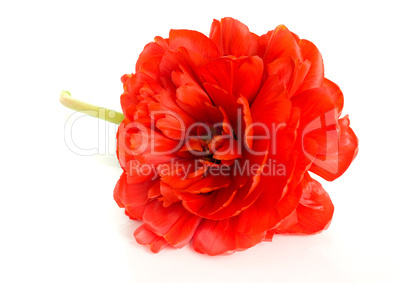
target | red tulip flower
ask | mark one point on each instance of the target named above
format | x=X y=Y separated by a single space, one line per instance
x=220 y=135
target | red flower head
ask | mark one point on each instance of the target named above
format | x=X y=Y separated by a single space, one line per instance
x=220 y=134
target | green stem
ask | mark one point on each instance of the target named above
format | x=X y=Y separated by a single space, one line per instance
x=89 y=109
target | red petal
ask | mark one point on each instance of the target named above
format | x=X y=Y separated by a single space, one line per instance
x=224 y=100
x=247 y=122
x=172 y=127
x=299 y=76
x=208 y=183
x=280 y=196
x=233 y=38
x=270 y=234
x=237 y=76
x=315 y=75
x=199 y=48
x=271 y=107
x=313 y=214
x=182 y=232
x=135 y=194
x=197 y=104
x=146 y=237
x=336 y=153
x=169 y=63
x=134 y=83
x=193 y=176
x=139 y=173
x=227 y=127
x=173 y=223
x=315 y=104
x=153 y=148
x=290 y=72
x=128 y=105
x=150 y=56
x=229 y=150
x=194 y=144
x=284 y=67
x=285 y=137
x=184 y=76
x=135 y=212
x=167 y=105
x=243 y=191
x=133 y=86
x=221 y=237
x=263 y=214
x=335 y=93
x=168 y=193
x=182 y=173
x=155 y=190
x=116 y=194
x=279 y=43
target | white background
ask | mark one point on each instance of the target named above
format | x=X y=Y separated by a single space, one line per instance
x=58 y=219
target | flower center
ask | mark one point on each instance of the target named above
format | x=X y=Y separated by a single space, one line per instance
x=210 y=158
